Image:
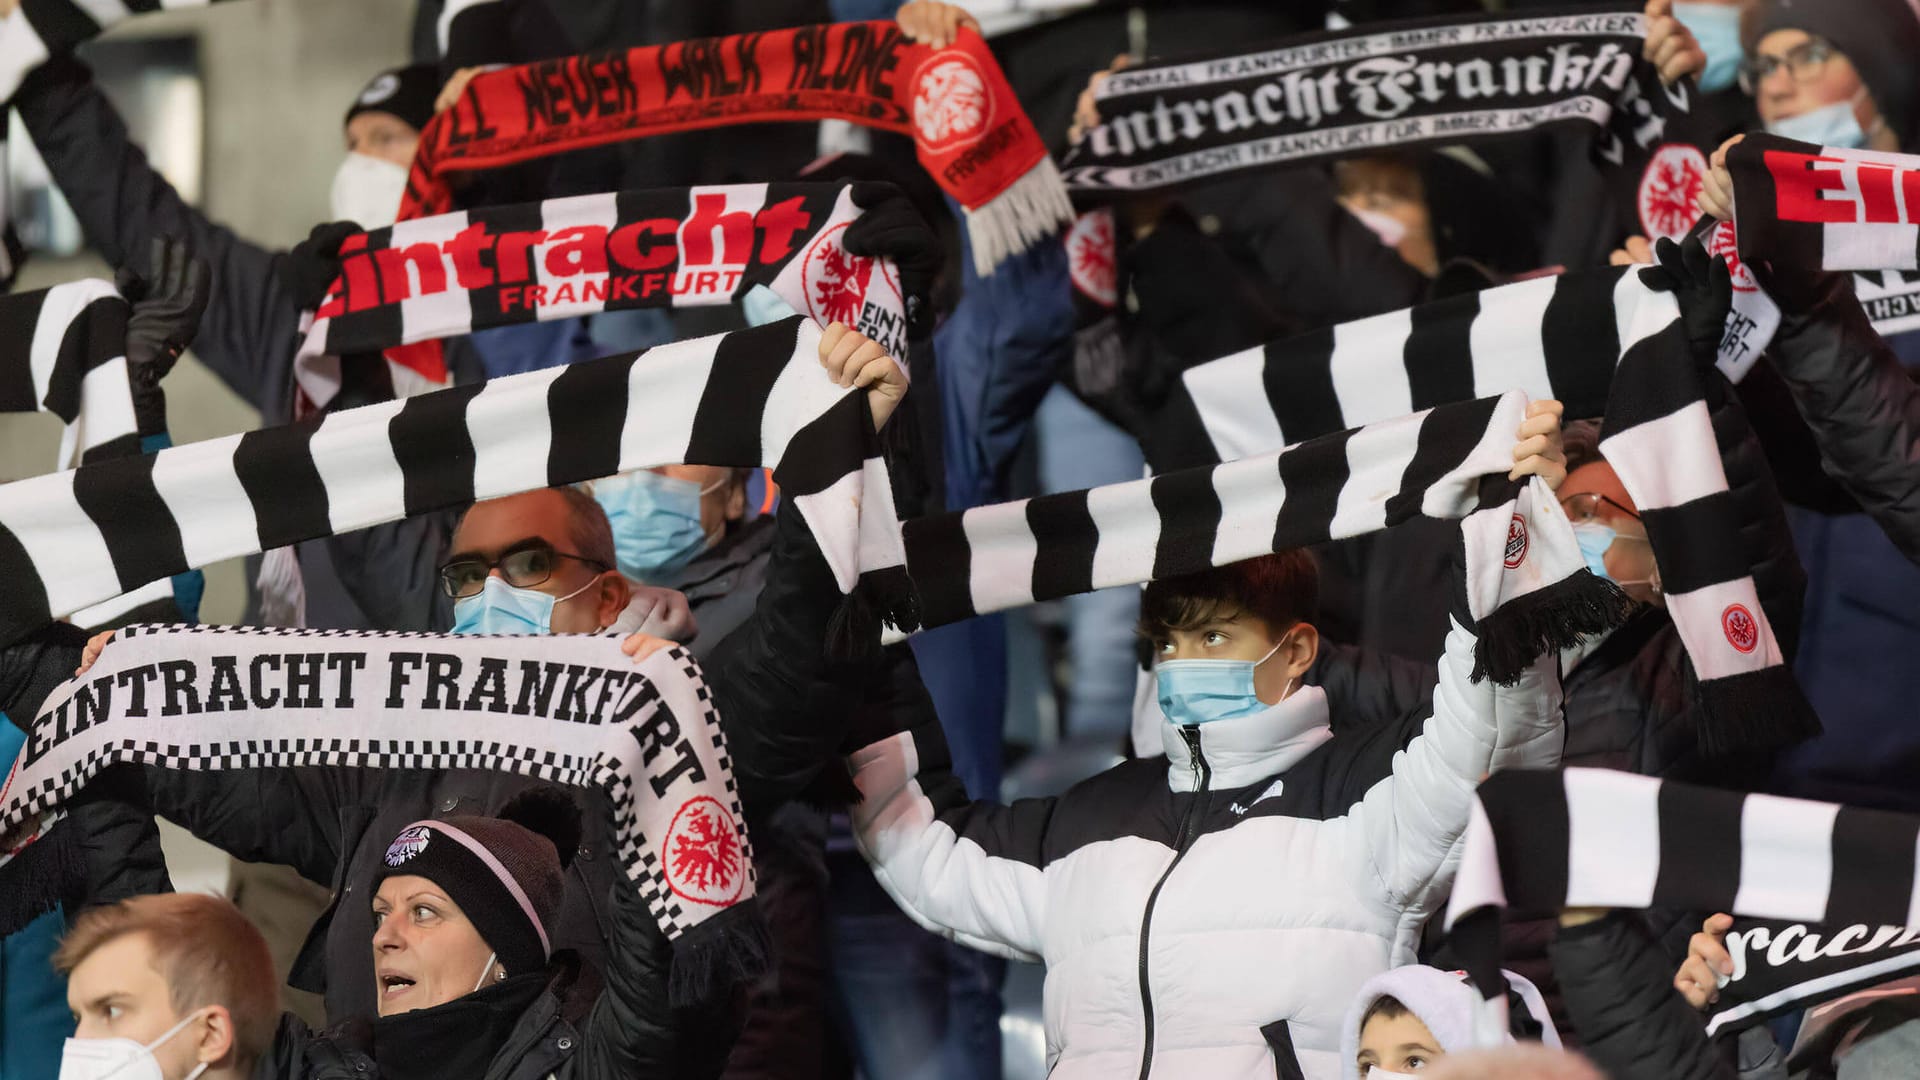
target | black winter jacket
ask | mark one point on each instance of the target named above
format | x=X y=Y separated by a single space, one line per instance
x=567 y=1025
x=1859 y=402
x=1619 y=995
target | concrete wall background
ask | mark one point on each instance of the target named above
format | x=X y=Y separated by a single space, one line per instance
x=277 y=77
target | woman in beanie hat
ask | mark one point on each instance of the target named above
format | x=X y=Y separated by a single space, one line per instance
x=469 y=984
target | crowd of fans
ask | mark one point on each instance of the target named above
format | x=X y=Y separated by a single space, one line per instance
x=1248 y=881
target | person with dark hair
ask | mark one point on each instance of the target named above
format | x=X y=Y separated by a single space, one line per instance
x=1404 y=1019
x=1209 y=913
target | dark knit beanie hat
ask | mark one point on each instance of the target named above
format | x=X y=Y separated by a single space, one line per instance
x=1881 y=38
x=406 y=92
x=506 y=873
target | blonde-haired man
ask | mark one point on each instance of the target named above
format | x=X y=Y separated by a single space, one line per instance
x=181 y=979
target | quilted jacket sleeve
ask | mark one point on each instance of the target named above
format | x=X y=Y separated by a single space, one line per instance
x=1619 y=994
x=1410 y=819
x=630 y=1030
x=970 y=871
x=1863 y=408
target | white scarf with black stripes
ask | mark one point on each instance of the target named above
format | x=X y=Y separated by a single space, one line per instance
x=1543 y=840
x=1601 y=342
x=1526 y=585
x=65 y=353
x=745 y=399
x=569 y=710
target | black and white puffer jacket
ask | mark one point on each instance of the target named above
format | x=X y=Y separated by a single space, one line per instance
x=1213 y=913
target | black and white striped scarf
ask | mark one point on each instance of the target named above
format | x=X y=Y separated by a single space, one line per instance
x=404 y=287
x=1825 y=208
x=65 y=352
x=745 y=399
x=1600 y=341
x=1380 y=86
x=569 y=710
x=1527 y=588
x=1542 y=840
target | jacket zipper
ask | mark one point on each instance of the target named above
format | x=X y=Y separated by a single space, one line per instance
x=1189 y=828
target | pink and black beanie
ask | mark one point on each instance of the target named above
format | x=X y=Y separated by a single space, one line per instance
x=506 y=873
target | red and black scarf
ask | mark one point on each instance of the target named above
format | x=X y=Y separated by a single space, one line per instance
x=972 y=135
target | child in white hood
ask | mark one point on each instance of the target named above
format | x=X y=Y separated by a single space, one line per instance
x=1404 y=1018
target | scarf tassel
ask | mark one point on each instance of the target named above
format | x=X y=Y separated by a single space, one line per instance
x=1546 y=620
x=729 y=947
x=1754 y=710
x=882 y=597
x=1028 y=211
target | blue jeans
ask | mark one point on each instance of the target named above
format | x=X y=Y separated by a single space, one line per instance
x=1079 y=449
x=907 y=1001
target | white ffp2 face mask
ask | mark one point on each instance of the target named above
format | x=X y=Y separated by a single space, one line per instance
x=120 y=1059
x=367 y=191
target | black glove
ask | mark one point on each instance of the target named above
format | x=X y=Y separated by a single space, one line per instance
x=1703 y=285
x=314 y=263
x=889 y=226
x=167 y=305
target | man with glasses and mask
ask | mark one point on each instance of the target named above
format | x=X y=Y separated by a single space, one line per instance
x=543 y=562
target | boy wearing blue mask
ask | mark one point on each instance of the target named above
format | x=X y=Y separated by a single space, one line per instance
x=1210 y=913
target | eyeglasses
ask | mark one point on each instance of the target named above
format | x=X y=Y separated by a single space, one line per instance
x=1586 y=507
x=1804 y=62
x=523 y=568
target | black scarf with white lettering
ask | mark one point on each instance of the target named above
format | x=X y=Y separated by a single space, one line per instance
x=568 y=710
x=746 y=399
x=1375 y=87
x=1545 y=840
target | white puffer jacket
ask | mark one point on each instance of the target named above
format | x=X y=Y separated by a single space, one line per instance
x=1211 y=915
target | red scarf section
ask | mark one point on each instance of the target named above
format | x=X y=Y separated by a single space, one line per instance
x=972 y=134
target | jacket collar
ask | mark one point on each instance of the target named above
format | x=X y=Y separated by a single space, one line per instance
x=1248 y=748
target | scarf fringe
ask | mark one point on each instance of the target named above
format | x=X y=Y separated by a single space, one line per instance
x=1754 y=710
x=729 y=947
x=882 y=597
x=1549 y=619
x=1028 y=211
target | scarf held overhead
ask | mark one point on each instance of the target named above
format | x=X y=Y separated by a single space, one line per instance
x=1543 y=840
x=404 y=287
x=1375 y=87
x=568 y=710
x=745 y=399
x=969 y=129
x=1605 y=345
x=1825 y=208
x=1527 y=589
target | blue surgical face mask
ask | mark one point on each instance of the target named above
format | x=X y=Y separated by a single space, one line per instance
x=1717 y=28
x=500 y=608
x=1830 y=125
x=762 y=305
x=655 y=519
x=1202 y=691
x=1594 y=540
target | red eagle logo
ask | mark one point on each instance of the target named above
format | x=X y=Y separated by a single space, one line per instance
x=840 y=292
x=1743 y=633
x=1668 y=189
x=1516 y=542
x=703 y=853
x=1091 y=261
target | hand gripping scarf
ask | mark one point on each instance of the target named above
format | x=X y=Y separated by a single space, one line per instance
x=1824 y=208
x=404 y=287
x=1607 y=346
x=65 y=354
x=1541 y=840
x=1373 y=87
x=1527 y=588
x=746 y=399
x=971 y=133
x=565 y=709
